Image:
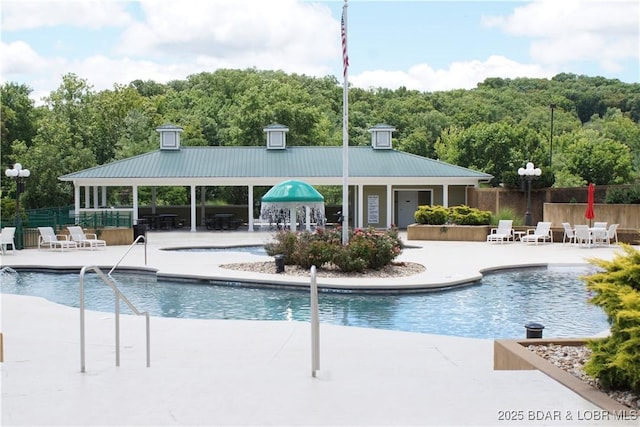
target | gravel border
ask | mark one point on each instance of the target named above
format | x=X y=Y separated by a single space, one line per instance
x=572 y=359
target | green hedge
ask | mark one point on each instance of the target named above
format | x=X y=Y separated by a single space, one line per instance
x=460 y=215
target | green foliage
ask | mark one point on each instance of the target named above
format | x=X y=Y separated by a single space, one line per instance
x=460 y=215
x=598 y=159
x=432 y=215
x=284 y=243
x=495 y=128
x=507 y=213
x=465 y=215
x=367 y=248
x=615 y=359
x=311 y=249
x=623 y=195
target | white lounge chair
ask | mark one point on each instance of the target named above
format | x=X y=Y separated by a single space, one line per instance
x=83 y=240
x=7 y=237
x=48 y=238
x=583 y=236
x=503 y=233
x=542 y=233
x=569 y=233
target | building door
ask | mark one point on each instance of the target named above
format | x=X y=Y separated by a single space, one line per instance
x=407 y=206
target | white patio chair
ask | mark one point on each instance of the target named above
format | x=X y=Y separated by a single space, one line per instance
x=542 y=233
x=83 y=240
x=48 y=238
x=569 y=233
x=503 y=233
x=583 y=236
x=612 y=234
x=7 y=237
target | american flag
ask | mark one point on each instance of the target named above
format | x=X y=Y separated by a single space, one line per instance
x=345 y=55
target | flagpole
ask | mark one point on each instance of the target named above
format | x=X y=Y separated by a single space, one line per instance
x=345 y=128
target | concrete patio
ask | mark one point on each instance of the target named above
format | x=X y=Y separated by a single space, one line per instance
x=229 y=372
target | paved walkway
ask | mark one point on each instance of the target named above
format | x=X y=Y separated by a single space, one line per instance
x=222 y=372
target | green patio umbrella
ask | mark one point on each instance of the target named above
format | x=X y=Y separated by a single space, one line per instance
x=289 y=196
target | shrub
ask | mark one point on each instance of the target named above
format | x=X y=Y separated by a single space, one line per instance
x=284 y=243
x=464 y=215
x=367 y=248
x=506 y=213
x=311 y=249
x=461 y=215
x=615 y=359
x=432 y=215
x=625 y=195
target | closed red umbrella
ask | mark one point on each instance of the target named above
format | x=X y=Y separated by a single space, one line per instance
x=589 y=213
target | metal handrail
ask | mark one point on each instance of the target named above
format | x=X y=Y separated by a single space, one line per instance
x=135 y=242
x=315 y=324
x=118 y=295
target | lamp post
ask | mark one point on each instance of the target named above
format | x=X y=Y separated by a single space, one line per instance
x=18 y=173
x=529 y=173
x=552 y=107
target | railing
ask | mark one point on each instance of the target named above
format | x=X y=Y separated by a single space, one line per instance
x=118 y=296
x=315 y=324
x=135 y=242
x=96 y=218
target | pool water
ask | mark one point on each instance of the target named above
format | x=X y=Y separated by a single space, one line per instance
x=498 y=307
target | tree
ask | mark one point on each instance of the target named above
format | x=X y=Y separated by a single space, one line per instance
x=491 y=148
x=598 y=159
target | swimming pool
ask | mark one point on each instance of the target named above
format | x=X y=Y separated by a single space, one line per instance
x=498 y=307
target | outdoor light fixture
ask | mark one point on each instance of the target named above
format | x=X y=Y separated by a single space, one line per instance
x=18 y=174
x=529 y=173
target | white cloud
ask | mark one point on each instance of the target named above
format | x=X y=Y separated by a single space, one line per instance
x=606 y=32
x=459 y=75
x=286 y=34
x=25 y=14
x=19 y=58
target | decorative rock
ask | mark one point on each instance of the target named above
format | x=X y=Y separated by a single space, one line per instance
x=572 y=359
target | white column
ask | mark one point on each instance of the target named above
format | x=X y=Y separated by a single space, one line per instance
x=307 y=217
x=76 y=202
x=293 y=218
x=135 y=204
x=87 y=197
x=445 y=195
x=389 y=206
x=96 y=205
x=203 y=204
x=360 y=206
x=250 y=213
x=193 y=208
x=104 y=195
x=153 y=200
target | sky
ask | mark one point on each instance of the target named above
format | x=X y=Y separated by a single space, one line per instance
x=424 y=45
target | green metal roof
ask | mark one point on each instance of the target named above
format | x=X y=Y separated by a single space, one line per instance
x=257 y=162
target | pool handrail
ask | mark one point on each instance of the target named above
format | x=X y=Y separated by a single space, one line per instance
x=315 y=324
x=135 y=242
x=118 y=295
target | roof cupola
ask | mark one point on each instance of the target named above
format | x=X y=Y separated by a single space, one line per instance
x=169 y=136
x=276 y=136
x=381 y=136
